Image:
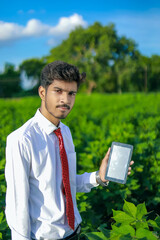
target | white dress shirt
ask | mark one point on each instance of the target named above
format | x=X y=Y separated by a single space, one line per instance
x=35 y=204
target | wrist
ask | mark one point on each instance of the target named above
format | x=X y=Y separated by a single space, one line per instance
x=99 y=181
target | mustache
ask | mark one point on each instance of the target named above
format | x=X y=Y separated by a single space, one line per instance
x=64 y=105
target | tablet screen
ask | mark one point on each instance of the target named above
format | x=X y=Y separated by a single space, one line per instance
x=118 y=163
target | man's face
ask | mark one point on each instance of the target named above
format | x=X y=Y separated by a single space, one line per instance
x=57 y=100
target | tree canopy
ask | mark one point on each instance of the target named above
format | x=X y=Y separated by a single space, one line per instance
x=112 y=63
x=101 y=53
x=9 y=81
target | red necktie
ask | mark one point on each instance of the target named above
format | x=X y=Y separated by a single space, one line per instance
x=65 y=179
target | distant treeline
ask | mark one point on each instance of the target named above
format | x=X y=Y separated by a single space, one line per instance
x=112 y=63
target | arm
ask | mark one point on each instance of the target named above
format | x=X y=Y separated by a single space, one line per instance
x=17 y=194
x=85 y=182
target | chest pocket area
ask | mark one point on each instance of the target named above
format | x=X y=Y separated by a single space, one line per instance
x=72 y=167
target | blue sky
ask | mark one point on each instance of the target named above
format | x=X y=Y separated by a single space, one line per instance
x=31 y=28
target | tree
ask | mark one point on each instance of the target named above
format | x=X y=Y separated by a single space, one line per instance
x=101 y=53
x=9 y=81
x=112 y=63
x=154 y=73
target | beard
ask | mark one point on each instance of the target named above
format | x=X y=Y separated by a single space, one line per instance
x=57 y=114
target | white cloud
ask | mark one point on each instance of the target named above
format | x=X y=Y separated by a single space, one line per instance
x=10 y=31
x=65 y=24
x=35 y=28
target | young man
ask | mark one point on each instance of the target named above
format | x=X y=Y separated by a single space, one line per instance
x=41 y=164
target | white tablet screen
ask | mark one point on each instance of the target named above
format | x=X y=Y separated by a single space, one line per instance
x=118 y=162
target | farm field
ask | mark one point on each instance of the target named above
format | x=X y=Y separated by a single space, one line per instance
x=95 y=122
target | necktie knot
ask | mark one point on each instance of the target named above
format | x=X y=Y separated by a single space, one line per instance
x=58 y=132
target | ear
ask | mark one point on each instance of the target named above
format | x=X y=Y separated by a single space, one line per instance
x=42 y=92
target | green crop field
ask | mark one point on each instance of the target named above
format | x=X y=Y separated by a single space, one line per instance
x=95 y=122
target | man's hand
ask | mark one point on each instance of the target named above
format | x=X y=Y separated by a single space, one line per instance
x=103 y=166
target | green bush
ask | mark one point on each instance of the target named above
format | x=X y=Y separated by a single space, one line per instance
x=131 y=223
x=95 y=122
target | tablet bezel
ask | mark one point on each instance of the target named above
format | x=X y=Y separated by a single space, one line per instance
x=129 y=159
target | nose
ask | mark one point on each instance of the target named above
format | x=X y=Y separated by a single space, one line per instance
x=65 y=98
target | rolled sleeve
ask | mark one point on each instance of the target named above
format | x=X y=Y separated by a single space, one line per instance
x=93 y=179
x=86 y=181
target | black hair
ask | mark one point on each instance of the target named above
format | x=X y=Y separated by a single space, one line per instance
x=59 y=70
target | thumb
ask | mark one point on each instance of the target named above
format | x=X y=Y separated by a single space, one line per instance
x=103 y=166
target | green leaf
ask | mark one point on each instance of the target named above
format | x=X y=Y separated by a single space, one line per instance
x=2 y=188
x=123 y=218
x=141 y=210
x=1 y=235
x=2 y=164
x=95 y=236
x=154 y=225
x=105 y=231
x=130 y=208
x=142 y=224
x=2 y=177
x=124 y=230
x=1 y=216
x=141 y=233
x=83 y=206
x=115 y=236
x=116 y=212
x=126 y=237
x=157 y=220
x=3 y=225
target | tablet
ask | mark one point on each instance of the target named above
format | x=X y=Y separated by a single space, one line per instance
x=118 y=163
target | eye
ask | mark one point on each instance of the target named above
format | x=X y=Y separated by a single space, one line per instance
x=72 y=93
x=58 y=91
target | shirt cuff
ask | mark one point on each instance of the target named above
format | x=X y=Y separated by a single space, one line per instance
x=17 y=236
x=93 y=179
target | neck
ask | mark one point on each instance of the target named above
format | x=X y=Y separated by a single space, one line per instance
x=47 y=115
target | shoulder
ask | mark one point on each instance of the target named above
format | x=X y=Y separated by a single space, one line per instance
x=22 y=133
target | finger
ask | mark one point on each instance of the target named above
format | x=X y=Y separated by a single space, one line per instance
x=129 y=170
x=103 y=165
x=131 y=163
x=108 y=152
x=105 y=159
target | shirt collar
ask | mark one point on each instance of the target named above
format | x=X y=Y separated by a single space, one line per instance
x=44 y=123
